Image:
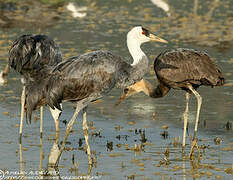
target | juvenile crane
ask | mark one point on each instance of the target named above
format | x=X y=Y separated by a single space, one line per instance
x=32 y=56
x=89 y=77
x=184 y=69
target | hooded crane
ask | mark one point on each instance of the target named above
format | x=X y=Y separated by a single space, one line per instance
x=184 y=69
x=32 y=56
x=88 y=77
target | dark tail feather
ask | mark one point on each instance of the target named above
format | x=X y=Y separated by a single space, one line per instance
x=53 y=102
x=34 y=98
x=54 y=92
x=29 y=114
x=48 y=90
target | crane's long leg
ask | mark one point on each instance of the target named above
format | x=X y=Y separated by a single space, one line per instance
x=194 y=143
x=199 y=101
x=22 y=114
x=55 y=151
x=41 y=121
x=186 y=118
x=6 y=70
x=80 y=105
x=56 y=114
x=85 y=131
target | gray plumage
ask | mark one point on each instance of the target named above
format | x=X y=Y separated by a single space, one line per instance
x=31 y=54
x=129 y=75
x=90 y=75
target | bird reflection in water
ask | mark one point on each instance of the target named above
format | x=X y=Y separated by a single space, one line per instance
x=52 y=169
x=56 y=152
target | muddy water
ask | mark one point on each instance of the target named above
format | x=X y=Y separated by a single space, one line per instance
x=115 y=131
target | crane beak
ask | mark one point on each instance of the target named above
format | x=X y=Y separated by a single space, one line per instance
x=141 y=86
x=126 y=93
x=157 y=39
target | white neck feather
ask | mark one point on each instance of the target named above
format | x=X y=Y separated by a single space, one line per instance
x=135 y=50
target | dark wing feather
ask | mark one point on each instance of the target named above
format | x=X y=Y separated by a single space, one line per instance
x=187 y=65
x=30 y=53
x=89 y=75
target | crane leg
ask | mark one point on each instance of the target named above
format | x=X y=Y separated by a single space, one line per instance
x=80 y=105
x=194 y=142
x=41 y=121
x=6 y=70
x=85 y=131
x=199 y=102
x=22 y=114
x=185 y=119
x=56 y=114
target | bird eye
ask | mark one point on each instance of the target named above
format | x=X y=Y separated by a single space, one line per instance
x=145 y=32
x=126 y=90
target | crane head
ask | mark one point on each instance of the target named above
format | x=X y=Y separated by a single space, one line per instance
x=129 y=91
x=142 y=35
x=141 y=86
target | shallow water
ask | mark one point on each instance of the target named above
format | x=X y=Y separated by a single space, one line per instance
x=209 y=27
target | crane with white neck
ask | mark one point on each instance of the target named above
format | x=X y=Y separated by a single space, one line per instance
x=88 y=77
